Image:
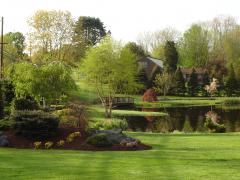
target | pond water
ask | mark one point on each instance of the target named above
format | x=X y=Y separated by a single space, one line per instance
x=186 y=119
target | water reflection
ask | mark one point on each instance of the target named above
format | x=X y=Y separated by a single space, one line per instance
x=186 y=119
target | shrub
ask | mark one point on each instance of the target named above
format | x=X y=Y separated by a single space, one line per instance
x=24 y=104
x=99 y=140
x=60 y=143
x=9 y=93
x=37 y=144
x=111 y=124
x=70 y=138
x=149 y=96
x=34 y=124
x=77 y=134
x=5 y=124
x=214 y=127
x=48 y=145
x=75 y=115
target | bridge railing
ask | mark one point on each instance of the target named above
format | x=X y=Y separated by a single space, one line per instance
x=121 y=100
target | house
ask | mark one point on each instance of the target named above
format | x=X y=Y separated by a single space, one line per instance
x=188 y=71
x=153 y=66
x=150 y=65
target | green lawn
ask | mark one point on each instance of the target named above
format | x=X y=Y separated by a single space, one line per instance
x=174 y=156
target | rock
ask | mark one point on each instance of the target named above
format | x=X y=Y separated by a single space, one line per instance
x=4 y=141
x=117 y=137
x=132 y=144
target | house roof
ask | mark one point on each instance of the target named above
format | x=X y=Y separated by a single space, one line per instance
x=189 y=70
x=158 y=62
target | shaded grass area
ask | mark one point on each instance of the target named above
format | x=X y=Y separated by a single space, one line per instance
x=181 y=156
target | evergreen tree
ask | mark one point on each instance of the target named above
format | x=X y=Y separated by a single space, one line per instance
x=136 y=49
x=205 y=81
x=180 y=88
x=231 y=83
x=171 y=57
x=193 y=83
x=143 y=79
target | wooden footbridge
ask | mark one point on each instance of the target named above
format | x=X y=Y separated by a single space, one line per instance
x=121 y=101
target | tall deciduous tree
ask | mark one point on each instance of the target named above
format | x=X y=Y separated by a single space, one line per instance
x=194 y=47
x=50 y=31
x=154 y=42
x=106 y=66
x=14 y=47
x=136 y=49
x=171 y=57
x=180 y=87
x=88 y=31
x=192 y=84
x=219 y=31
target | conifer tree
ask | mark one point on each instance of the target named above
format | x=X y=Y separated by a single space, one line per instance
x=192 y=84
x=205 y=81
x=143 y=79
x=231 y=83
x=171 y=57
x=180 y=88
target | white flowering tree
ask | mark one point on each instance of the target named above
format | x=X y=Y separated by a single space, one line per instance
x=212 y=87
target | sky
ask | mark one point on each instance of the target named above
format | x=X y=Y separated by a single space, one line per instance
x=126 y=19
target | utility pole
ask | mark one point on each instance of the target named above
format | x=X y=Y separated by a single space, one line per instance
x=1 y=57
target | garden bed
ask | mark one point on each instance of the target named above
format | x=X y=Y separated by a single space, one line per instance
x=77 y=144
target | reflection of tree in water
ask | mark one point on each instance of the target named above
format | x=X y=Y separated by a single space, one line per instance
x=177 y=116
x=193 y=115
x=149 y=118
x=200 y=124
x=237 y=126
x=187 y=128
x=137 y=123
x=231 y=120
x=185 y=119
x=163 y=125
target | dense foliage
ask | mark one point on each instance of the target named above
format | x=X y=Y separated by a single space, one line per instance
x=192 y=84
x=171 y=57
x=99 y=140
x=36 y=125
x=27 y=103
x=231 y=82
x=49 y=81
x=111 y=69
x=180 y=87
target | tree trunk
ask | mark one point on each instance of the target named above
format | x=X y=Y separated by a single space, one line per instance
x=108 y=110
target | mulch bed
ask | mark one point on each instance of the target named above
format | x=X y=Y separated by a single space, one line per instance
x=77 y=144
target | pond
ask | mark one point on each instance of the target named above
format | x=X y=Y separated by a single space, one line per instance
x=186 y=119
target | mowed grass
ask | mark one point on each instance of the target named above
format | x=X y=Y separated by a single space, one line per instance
x=174 y=156
x=122 y=112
